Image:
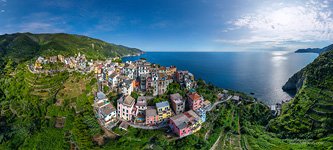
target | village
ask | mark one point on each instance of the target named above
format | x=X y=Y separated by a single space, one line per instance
x=182 y=115
x=74 y=63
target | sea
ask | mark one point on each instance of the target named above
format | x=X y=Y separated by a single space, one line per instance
x=260 y=74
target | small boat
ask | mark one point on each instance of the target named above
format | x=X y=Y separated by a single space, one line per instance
x=252 y=93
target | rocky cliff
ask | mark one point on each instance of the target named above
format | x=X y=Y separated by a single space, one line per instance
x=295 y=82
x=309 y=115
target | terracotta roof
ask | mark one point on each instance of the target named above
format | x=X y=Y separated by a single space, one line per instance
x=192 y=115
x=194 y=96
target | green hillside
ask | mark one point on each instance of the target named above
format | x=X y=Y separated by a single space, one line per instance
x=310 y=113
x=24 y=46
x=33 y=105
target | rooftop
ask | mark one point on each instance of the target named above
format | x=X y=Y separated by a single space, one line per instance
x=107 y=109
x=206 y=102
x=194 y=96
x=235 y=97
x=181 y=120
x=151 y=111
x=101 y=95
x=162 y=104
x=176 y=98
x=129 y=100
x=192 y=115
x=123 y=125
x=142 y=101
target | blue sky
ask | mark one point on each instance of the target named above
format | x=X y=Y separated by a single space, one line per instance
x=174 y=25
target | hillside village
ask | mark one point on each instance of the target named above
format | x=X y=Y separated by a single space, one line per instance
x=183 y=115
x=73 y=63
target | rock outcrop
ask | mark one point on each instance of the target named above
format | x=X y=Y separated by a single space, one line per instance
x=295 y=82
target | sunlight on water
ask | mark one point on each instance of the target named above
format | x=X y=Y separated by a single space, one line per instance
x=261 y=73
x=278 y=57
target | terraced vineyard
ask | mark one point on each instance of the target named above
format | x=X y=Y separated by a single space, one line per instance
x=32 y=106
x=45 y=86
x=310 y=114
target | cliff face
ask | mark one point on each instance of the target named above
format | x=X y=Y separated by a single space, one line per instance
x=295 y=82
x=309 y=115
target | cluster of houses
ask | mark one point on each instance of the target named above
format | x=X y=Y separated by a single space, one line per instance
x=141 y=76
x=104 y=110
x=184 y=115
x=78 y=62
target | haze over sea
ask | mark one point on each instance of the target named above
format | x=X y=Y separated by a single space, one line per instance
x=262 y=73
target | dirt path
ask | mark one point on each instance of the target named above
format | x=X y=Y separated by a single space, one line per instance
x=239 y=132
x=216 y=142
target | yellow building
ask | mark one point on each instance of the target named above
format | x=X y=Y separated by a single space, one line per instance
x=61 y=58
x=39 y=62
x=195 y=119
x=163 y=110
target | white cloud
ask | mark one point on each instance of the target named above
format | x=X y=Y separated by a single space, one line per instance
x=309 y=21
x=40 y=27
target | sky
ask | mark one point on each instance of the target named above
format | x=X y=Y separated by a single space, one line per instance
x=179 y=25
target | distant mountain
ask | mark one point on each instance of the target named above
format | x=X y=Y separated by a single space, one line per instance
x=310 y=113
x=24 y=46
x=315 y=50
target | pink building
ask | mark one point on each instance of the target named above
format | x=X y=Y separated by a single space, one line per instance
x=125 y=108
x=185 y=123
x=180 y=125
x=151 y=115
x=195 y=101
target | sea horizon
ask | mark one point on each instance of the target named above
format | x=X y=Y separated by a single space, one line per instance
x=262 y=73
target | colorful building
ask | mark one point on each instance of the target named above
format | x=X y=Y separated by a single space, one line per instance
x=151 y=115
x=194 y=119
x=202 y=114
x=185 y=123
x=163 y=110
x=195 y=101
x=177 y=103
x=125 y=107
x=141 y=107
x=107 y=112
